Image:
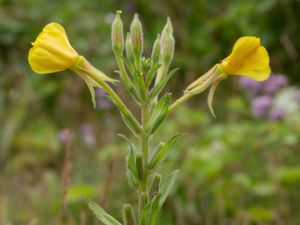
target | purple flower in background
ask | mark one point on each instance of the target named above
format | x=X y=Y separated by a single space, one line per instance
x=274 y=83
x=261 y=105
x=268 y=87
x=277 y=114
x=101 y=99
x=88 y=134
x=297 y=96
x=65 y=136
x=252 y=86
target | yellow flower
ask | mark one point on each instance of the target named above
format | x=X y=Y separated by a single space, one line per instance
x=248 y=58
x=51 y=51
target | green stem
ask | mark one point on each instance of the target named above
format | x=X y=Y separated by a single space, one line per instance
x=123 y=71
x=144 y=142
x=179 y=101
x=122 y=107
x=144 y=139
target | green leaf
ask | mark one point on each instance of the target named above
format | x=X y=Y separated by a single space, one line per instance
x=288 y=175
x=155 y=206
x=131 y=123
x=139 y=166
x=128 y=215
x=132 y=180
x=159 y=113
x=162 y=83
x=151 y=73
x=131 y=156
x=100 y=213
x=167 y=187
x=162 y=151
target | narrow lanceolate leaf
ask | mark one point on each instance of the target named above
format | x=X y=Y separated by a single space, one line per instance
x=128 y=215
x=167 y=187
x=155 y=206
x=151 y=73
x=138 y=81
x=162 y=151
x=130 y=159
x=162 y=83
x=100 y=213
x=159 y=113
x=131 y=123
x=144 y=217
x=132 y=180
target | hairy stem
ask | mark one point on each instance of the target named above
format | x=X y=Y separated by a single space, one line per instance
x=116 y=100
x=179 y=101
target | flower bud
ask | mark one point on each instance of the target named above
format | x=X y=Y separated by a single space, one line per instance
x=168 y=49
x=155 y=185
x=156 y=51
x=128 y=215
x=128 y=47
x=139 y=165
x=136 y=34
x=117 y=34
x=168 y=28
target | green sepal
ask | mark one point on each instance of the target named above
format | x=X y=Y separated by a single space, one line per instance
x=100 y=213
x=167 y=186
x=162 y=83
x=162 y=151
x=159 y=113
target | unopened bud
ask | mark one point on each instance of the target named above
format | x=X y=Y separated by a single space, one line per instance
x=128 y=48
x=168 y=29
x=128 y=215
x=155 y=185
x=136 y=34
x=139 y=165
x=117 y=34
x=168 y=49
x=156 y=50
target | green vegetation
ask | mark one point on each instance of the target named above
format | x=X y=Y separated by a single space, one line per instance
x=234 y=169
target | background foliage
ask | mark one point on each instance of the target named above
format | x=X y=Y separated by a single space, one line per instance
x=235 y=169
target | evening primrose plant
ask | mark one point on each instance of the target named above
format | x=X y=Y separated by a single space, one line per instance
x=145 y=79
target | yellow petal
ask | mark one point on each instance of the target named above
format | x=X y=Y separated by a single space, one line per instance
x=257 y=66
x=51 y=51
x=248 y=58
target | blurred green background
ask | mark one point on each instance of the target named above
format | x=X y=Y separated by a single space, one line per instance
x=235 y=169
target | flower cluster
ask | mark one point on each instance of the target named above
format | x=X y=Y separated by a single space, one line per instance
x=144 y=78
x=273 y=99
